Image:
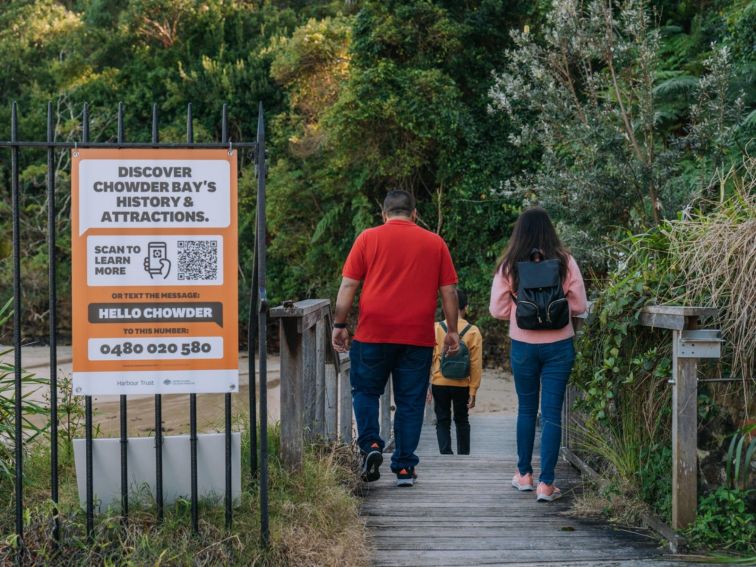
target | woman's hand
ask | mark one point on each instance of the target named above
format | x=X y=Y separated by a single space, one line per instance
x=471 y=402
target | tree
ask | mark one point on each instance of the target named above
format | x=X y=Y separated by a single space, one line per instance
x=410 y=111
x=585 y=93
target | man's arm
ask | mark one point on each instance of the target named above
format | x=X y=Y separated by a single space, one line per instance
x=450 y=305
x=344 y=301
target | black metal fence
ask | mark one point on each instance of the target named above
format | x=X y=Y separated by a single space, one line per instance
x=257 y=336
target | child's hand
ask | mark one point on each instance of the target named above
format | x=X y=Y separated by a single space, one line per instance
x=471 y=402
x=429 y=396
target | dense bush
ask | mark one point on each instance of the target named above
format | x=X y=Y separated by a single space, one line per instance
x=622 y=368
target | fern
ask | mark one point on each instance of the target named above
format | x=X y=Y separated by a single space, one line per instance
x=681 y=85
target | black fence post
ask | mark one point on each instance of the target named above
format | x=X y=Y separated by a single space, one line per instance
x=53 y=321
x=122 y=401
x=227 y=396
x=88 y=399
x=251 y=349
x=158 y=397
x=18 y=409
x=192 y=397
x=257 y=337
x=262 y=329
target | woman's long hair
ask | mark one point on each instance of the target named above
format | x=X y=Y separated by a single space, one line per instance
x=533 y=231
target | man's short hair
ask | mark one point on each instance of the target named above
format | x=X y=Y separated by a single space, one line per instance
x=461 y=299
x=398 y=202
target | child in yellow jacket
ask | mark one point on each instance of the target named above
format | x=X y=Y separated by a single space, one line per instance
x=458 y=394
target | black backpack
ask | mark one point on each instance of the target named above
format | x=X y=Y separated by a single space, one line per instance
x=540 y=300
x=456 y=367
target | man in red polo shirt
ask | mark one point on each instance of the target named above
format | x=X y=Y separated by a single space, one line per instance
x=403 y=267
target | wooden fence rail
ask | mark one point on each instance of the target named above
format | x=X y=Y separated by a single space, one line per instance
x=316 y=398
x=689 y=344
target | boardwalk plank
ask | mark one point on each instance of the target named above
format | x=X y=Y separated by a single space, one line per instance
x=464 y=511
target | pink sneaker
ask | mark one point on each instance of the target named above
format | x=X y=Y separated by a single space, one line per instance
x=547 y=492
x=523 y=482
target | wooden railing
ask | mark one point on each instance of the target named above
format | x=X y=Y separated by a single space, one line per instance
x=316 y=396
x=689 y=344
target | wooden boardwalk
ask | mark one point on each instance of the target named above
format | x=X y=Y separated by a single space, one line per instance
x=464 y=511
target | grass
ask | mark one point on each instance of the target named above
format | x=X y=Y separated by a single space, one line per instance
x=715 y=252
x=313 y=519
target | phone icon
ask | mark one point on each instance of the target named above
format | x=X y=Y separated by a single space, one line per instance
x=156 y=262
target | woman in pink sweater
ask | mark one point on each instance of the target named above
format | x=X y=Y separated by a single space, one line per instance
x=541 y=359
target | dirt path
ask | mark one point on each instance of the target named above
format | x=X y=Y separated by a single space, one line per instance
x=496 y=395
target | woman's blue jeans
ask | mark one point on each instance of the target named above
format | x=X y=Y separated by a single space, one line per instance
x=544 y=369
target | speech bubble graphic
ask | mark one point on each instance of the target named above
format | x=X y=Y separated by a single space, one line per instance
x=183 y=312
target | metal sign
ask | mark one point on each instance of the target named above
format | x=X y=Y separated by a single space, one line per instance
x=154 y=252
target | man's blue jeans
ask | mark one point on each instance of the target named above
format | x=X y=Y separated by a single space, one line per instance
x=409 y=366
x=544 y=368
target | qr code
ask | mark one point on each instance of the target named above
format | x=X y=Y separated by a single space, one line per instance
x=197 y=259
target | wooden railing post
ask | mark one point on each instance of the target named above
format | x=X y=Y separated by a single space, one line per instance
x=331 y=403
x=309 y=347
x=292 y=400
x=302 y=334
x=570 y=393
x=318 y=428
x=345 y=403
x=684 y=437
x=688 y=345
x=385 y=416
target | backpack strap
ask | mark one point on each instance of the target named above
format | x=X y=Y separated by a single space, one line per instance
x=462 y=334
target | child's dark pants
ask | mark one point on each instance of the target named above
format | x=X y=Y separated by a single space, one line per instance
x=445 y=397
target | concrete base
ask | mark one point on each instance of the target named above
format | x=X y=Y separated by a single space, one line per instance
x=106 y=466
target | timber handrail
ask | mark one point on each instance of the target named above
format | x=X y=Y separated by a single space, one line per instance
x=316 y=396
x=689 y=344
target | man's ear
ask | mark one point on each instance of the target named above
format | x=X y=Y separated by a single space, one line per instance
x=383 y=216
x=413 y=216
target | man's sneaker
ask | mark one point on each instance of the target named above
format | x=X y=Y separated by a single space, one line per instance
x=523 y=482
x=371 y=463
x=547 y=492
x=406 y=477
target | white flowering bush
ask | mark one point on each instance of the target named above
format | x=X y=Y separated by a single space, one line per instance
x=587 y=95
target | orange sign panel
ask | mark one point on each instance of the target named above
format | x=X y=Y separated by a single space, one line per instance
x=154 y=251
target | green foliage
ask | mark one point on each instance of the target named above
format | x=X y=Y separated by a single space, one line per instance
x=740 y=455
x=137 y=52
x=314 y=519
x=724 y=522
x=398 y=102
x=31 y=409
x=630 y=121
x=654 y=474
x=617 y=358
x=622 y=367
